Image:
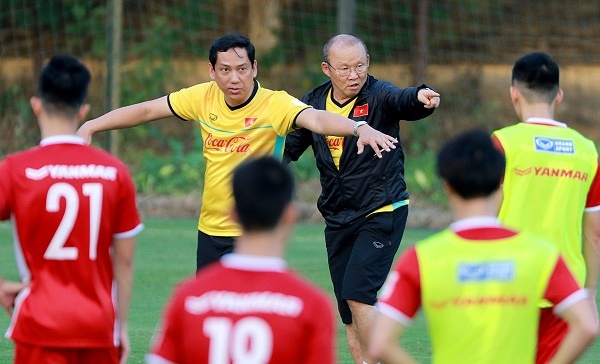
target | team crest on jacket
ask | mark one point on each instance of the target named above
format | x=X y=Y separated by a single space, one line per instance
x=362 y=110
x=249 y=121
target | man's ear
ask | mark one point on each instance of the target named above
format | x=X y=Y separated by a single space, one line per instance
x=514 y=94
x=83 y=111
x=36 y=105
x=448 y=190
x=559 y=97
x=498 y=197
x=255 y=69
x=325 y=69
x=290 y=214
x=211 y=71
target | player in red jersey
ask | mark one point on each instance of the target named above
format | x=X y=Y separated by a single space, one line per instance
x=248 y=307
x=75 y=219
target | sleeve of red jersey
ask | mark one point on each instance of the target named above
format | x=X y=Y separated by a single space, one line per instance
x=497 y=143
x=129 y=223
x=322 y=339
x=563 y=290
x=165 y=345
x=5 y=190
x=401 y=294
x=593 y=198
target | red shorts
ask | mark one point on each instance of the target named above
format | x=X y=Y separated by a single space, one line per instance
x=551 y=332
x=37 y=354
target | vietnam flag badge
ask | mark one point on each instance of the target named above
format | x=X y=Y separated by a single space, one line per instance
x=249 y=121
x=362 y=110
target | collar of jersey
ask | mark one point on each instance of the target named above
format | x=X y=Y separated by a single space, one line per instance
x=337 y=103
x=476 y=222
x=545 y=121
x=62 y=139
x=253 y=263
x=254 y=91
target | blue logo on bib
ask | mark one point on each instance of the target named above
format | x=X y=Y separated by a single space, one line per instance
x=553 y=145
x=488 y=271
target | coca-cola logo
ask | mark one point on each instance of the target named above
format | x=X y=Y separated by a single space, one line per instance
x=335 y=143
x=235 y=144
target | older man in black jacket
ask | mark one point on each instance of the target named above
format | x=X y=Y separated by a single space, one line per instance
x=364 y=199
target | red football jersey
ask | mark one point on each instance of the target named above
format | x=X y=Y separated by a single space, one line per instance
x=246 y=310
x=67 y=202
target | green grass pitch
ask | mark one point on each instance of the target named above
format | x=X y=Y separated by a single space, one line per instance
x=165 y=254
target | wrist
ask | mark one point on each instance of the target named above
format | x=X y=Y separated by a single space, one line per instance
x=357 y=125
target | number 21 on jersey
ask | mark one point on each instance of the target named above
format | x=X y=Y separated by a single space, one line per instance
x=56 y=249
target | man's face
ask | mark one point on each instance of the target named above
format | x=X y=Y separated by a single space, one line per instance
x=343 y=59
x=234 y=74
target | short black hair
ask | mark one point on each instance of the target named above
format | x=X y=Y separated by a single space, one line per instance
x=63 y=84
x=471 y=164
x=262 y=188
x=537 y=73
x=229 y=41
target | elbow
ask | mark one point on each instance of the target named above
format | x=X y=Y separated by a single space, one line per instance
x=591 y=229
x=590 y=329
x=375 y=353
x=379 y=349
x=592 y=234
x=587 y=330
x=595 y=239
x=375 y=347
x=123 y=270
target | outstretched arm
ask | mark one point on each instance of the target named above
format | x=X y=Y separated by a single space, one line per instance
x=326 y=123
x=127 y=116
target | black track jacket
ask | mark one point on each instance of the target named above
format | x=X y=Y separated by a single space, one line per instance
x=364 y=182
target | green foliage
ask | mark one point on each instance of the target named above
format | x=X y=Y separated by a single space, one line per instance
x=397 y=40
x=305 y=168
x=155 y=36
x=420 y=164
x=185 y=17
x=10 y=94
x=421 y=178
x=145 y=80
x=85 y=19
x=80 y=20
x=19 y=126
x=176 y=172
